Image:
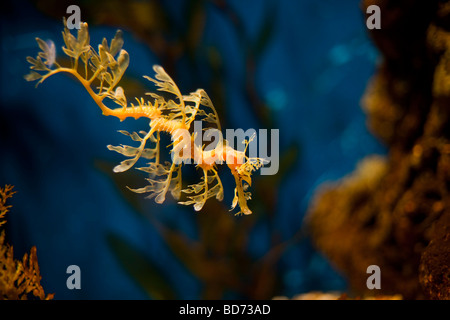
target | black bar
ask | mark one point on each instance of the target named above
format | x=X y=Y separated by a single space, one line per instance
x=230 y=309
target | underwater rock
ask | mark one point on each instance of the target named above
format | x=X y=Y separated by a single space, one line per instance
x=394 y=212
x=435 y=261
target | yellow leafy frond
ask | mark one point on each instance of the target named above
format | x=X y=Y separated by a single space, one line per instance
x=19 y=279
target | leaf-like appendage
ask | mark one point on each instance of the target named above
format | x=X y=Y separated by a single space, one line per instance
x=134 y=136
x=158 y=188
x=132 y=151
x=155 y=169
x=128 y=151
x=116 y=43
x=119 y=97
x=75 y=47
x=118 y=68
x=32 y=76
x=202 y=192
x=103 y=65
x=176 y=185
x=37 y=64
x=48 y=51
x=165 y=83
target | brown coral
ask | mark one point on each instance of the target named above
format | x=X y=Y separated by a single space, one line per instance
x=400 y=220
x=19 y=279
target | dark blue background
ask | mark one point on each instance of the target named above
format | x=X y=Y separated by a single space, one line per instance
x=312 y=75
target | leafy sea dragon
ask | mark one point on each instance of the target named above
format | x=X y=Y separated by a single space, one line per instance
x=100 y=72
